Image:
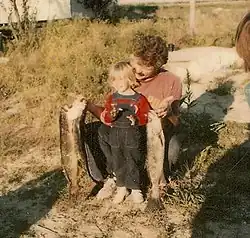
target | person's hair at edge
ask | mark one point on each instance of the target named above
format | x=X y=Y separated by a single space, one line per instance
x=123 y=71
x=151 y=49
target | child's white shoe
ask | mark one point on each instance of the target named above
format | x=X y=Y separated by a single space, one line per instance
x=121 y=193
x=136 y=196
x=107 y=190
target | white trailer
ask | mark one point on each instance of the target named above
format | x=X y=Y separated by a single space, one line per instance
x=44 y=10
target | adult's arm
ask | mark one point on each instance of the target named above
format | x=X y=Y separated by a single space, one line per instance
x=95 y=109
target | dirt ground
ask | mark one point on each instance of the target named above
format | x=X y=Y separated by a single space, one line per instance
x=34 y=204
x=210 y=197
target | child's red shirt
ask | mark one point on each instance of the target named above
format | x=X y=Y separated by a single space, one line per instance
x=135 y=105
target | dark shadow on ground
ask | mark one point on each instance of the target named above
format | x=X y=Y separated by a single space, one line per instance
x=225 y=211
x=25 y=206
x=195 y=132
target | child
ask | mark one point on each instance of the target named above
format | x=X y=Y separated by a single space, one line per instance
x=125 y=111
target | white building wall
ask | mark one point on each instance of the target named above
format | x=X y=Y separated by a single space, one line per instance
x=45 y=10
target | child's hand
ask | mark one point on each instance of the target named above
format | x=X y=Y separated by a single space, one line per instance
x=132 y=119
x=114 y=111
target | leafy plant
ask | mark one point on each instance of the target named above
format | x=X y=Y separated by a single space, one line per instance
x=102 y=9
x=187 y=99
x=25 y=20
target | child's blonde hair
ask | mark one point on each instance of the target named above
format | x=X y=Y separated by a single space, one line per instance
x=123 y=70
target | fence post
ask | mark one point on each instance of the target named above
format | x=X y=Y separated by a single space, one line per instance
x=1 y=44
x=192 y=17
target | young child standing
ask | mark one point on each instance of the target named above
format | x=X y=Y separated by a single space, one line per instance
x=125 y=112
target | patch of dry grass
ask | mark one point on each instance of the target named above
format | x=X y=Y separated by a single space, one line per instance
x=71 y=57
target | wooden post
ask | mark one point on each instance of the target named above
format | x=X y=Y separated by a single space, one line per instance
x=1 y=44
x=192 y=17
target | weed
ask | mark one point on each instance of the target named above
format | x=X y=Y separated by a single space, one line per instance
x=187 y=99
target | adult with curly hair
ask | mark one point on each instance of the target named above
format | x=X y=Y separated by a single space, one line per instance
x=150 y=53
x=163 y=91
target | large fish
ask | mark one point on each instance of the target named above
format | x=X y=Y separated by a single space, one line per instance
x=155 y=160
x=73 y=153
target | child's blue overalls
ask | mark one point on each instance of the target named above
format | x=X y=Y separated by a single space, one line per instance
x=120 y=144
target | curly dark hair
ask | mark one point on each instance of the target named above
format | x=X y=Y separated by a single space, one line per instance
x=151 y=49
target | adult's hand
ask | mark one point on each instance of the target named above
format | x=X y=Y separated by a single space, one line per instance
x=75 y=110
x=163 y=110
